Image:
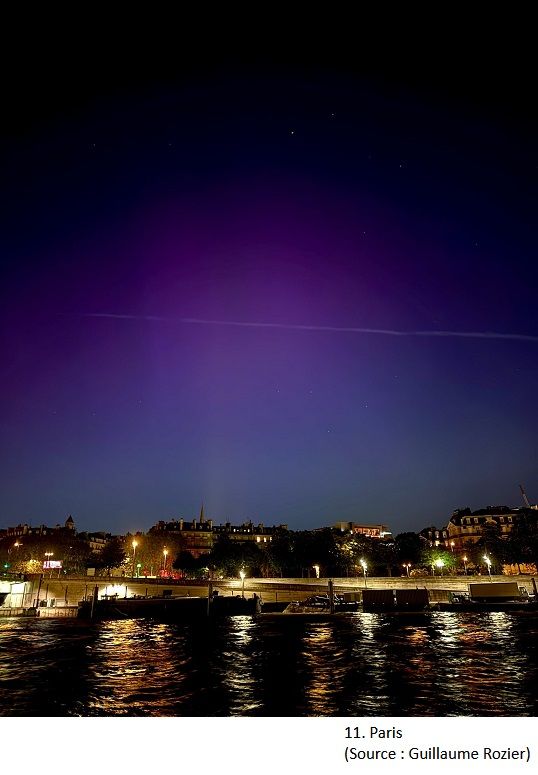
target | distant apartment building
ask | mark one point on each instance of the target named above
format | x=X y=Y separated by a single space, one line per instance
x=95 y=541
x=21 y=530
x=370 y=531
x=466 y=527
x=199 y=535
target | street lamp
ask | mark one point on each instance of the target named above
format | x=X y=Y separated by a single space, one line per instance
x=242 y=575
x=165 y=554
x=452 y=545
x=407 y=565
x=440 y=564
x=134 y=545
x=316 y=568
x=488 y=563
x=364 y=569
x=464 y=558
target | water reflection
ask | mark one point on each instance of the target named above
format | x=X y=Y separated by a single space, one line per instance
x=238 y=667
x=365 y=665
x=131 y=670
x=324 y=669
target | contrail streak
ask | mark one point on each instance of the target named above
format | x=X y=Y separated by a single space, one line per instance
x=336 y=329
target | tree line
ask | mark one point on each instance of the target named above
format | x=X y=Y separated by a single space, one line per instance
x=307 y=553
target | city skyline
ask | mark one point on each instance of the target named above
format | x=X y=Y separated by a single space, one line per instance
x=203 y=515
x=284 y=292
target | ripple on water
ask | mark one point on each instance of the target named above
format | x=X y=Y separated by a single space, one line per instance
x=439 y=664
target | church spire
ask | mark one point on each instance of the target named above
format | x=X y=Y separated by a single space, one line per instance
x=202 y=518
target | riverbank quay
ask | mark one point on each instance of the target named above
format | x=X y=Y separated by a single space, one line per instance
x=51 y=597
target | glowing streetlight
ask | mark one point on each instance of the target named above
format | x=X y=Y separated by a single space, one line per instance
x=407 y=565
x=464 y=558
x=134 y=544
x=439 y=563
x=316 y=569
x=165 y=555
x=242 y=575
x=488 y=563
x=452 y=545
x=364 y=566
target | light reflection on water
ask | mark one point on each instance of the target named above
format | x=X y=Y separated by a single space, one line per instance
x=438 y=663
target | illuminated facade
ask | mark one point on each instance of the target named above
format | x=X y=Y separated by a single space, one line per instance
x=199 y=535
x=466 y=527
x=370 y=531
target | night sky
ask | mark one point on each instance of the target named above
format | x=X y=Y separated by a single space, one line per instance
x=252 y=284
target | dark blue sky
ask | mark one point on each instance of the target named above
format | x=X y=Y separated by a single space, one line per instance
x=313 y=198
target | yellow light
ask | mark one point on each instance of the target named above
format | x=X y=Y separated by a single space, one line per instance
x=242 y=574
x=440 y=563
x=134 y=544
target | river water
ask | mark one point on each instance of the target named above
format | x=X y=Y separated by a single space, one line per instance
x=433 y=664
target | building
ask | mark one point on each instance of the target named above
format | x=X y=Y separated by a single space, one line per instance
x=248 y=531
x=466 y=527
x=370 y=531
x=21 y=530
x=194 y=536
x=199 y=535
x=95 y=541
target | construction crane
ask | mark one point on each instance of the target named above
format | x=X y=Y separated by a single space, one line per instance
x=525 y=499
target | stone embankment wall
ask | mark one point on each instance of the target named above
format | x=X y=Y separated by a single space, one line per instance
x=71 y=591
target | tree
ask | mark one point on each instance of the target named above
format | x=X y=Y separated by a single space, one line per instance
x=437 y=559
x=354 y=548
x=113 y=555
x=408 y=547
x=280 y=556
x=316 y=547
x=493 y=545
x=30 y=551
x=522 y=541
x=383 y=555
x=228 y=557
x=186 y=562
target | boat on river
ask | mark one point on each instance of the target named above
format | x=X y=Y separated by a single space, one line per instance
x=166 y=608
x=321 y=604
x=499 y=596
